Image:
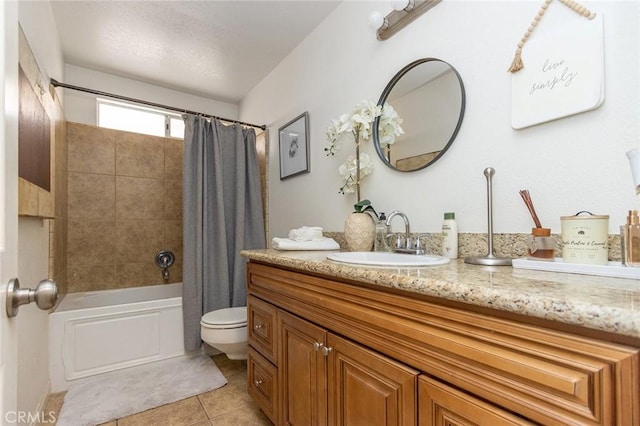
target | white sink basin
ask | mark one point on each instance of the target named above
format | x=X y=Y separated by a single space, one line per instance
x=387 y=259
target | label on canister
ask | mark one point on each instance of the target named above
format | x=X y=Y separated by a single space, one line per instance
x=585 y=239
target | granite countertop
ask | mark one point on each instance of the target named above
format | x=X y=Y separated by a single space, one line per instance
x=602 y=303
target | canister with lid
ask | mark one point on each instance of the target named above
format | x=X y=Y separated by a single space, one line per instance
x=585 y=239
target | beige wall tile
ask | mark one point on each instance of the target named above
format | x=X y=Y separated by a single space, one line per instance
x=91 y=278
x=91 y=196
x=173 y=237
x=60 y=254
x=91 y=149
x=138 y=240
x=141 y=191
x=91 y=242
x=142 y=274
x=173 y=242
x=27 y=198
x=46 y=203
x=50 y=223
x=175 y=273
x=173 y=198
x=139 y=155
x=139 y=198
x=174 y=151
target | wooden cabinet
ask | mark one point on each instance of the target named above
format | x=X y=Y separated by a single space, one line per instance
x=302 y=372
x=366 y=388
x=326 y=379
x=262 y=328
x=262 y=383
x=350 y=354
x=442 y=405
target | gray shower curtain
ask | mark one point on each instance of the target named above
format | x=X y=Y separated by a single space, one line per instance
x=222 y=215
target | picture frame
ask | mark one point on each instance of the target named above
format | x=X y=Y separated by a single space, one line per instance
x=294 y=146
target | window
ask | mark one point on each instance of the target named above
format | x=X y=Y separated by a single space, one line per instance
x=134 y=118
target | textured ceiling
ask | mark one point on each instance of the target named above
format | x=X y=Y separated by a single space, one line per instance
x=216 y=49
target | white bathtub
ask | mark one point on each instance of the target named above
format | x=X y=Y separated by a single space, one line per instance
x=100 y=331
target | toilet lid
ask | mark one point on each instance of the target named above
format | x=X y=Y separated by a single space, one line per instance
x=226 y=317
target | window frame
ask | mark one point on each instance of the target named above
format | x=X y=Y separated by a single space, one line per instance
x=139 y=108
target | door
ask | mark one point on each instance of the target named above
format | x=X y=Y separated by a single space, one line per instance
x=302 y=372
x=442 y=405
x=367 y=388
x=8 y=203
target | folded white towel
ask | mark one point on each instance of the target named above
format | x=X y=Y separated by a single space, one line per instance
x=305 y=233
x=323 y=243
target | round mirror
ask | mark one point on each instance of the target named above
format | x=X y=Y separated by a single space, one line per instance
x=428 y=95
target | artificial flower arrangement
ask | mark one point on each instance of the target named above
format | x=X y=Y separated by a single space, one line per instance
x=360 y=125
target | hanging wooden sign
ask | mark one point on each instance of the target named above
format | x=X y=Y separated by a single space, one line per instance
x=563 y=73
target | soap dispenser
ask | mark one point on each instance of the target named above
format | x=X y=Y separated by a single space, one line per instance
x=382 y=230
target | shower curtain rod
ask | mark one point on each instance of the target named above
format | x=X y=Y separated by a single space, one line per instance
x=56 y=83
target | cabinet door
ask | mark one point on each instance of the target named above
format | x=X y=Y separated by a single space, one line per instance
x=441 y=405
x=302 y=372
x=366 y=388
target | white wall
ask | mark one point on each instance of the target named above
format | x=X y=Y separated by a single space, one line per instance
x=8 y=199
x=33 y=323
x=80 y=107
x=36 y=19
x=576 y=163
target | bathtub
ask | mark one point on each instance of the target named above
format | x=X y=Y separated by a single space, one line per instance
x=96 y=332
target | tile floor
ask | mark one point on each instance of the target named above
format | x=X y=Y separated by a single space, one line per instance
x=229 y=405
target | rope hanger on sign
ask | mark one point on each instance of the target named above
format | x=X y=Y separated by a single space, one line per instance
x=517 y=63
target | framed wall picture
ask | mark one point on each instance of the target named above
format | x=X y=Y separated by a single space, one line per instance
x=294 y=146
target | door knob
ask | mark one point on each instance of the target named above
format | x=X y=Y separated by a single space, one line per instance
x=45 y=295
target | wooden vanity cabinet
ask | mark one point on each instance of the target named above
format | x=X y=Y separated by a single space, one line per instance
x=442 y=405
x=329 y=380
x=345 y=353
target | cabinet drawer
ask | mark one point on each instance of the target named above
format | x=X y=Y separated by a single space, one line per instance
x=440 y=405
x=262 y=383
x=261 y=323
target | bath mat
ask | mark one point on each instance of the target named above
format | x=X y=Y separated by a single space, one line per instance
x=121 y=393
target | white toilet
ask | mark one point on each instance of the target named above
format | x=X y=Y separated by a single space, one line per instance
x=226 y=331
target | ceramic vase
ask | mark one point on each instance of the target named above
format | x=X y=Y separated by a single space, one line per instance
x=359 y=232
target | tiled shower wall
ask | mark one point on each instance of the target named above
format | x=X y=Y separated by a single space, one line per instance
x=124 y=206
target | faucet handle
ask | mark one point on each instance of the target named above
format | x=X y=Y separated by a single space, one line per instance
x=399 y=241
x=418 y=243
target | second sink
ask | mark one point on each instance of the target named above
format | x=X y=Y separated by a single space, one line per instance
x=387 y=259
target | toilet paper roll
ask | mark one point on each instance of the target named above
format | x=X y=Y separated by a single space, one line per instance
x=634 y=162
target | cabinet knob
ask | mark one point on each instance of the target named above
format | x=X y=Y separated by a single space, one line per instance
x=317 y=346
x=257 y=383
x=258 y=326
x=326 y=350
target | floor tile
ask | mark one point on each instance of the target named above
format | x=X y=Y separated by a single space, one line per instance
x=53 y=406
x=230 y=367
x=228 y=398
x=251 y=416
x=183 y=413
x=229 y=405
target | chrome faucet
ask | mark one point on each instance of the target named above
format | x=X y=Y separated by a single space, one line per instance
x=406 y=222
x=410 y=246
